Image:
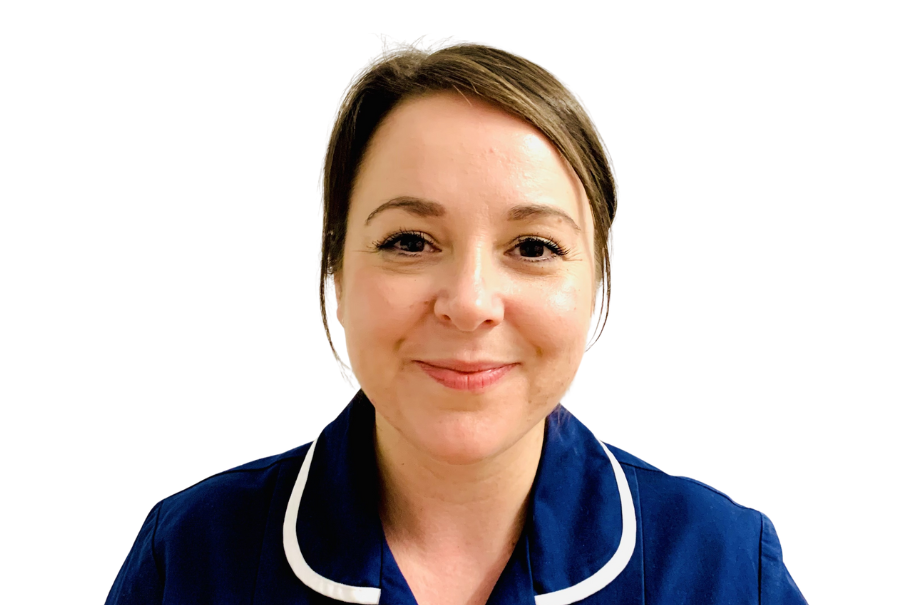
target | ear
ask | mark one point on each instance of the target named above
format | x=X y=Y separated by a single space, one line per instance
x=338 y=290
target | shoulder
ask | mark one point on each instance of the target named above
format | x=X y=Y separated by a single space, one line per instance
x=695 y=539
x=683 y=498
x=202 y=543
x=699 y=544
x=214 y=503
x=679 y=512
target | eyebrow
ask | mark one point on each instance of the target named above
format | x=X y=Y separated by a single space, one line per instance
x=412 y=205
x=526 y=211
x=427 y=208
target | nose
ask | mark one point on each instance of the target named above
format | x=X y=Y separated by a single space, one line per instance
x=469 y=297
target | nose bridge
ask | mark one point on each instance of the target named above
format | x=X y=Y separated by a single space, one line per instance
x=471 y=296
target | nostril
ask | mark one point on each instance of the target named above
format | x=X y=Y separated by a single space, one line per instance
x=469 y=298
x=468 y=315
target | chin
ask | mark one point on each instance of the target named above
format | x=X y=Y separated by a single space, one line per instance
x=463 y=436
x=460 y=448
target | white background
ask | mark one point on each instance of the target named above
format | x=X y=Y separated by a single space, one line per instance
x=159 y=241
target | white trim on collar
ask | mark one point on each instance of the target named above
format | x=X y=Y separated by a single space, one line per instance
x=617 y=562
x=313 y=580
x=371 y=596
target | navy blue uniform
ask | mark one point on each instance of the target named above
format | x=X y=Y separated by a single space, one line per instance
x=603 y=527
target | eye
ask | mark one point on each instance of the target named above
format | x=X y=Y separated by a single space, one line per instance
x=536 y=249
x=406 y=243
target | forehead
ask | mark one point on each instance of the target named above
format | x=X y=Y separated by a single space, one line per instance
x=448 y=147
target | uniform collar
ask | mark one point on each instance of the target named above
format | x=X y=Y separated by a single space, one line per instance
x=580 y=532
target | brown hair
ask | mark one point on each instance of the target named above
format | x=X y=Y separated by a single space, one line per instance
x=507 y=81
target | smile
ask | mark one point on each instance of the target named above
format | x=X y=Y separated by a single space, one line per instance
x=465 y=377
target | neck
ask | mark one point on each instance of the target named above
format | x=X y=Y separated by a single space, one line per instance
x=469 y=516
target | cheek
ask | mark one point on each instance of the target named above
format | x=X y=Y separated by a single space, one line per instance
x=378 y=308
x=552 y=321
x=555 y=320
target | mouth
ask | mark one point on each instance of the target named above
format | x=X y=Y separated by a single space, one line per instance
x=465 y=376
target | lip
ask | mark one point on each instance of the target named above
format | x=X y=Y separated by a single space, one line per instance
x=465 y=375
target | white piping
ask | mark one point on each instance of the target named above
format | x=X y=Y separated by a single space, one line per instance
x=371 y=596
x=620 y=558
x=334 y=590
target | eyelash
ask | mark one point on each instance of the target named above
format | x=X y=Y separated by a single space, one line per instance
x=551 y=245
x=388 y=244
x=393 y=239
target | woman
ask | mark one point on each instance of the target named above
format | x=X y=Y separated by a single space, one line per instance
x=468 y=202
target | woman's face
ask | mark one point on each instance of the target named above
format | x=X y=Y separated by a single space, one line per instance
x=468 y=281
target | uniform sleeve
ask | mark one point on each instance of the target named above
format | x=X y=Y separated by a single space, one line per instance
x=776 y=585
x=140 y=582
